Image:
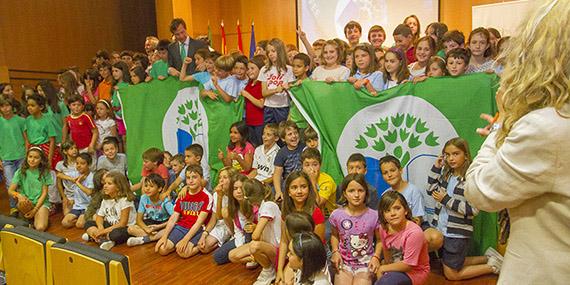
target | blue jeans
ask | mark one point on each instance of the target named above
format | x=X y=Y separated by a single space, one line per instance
x=10 y=167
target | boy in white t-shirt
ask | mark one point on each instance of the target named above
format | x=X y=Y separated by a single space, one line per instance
x=264 y=155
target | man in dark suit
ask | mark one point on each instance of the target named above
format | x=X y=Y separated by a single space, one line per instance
x=184 y=46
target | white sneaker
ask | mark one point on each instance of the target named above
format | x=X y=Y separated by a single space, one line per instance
x=266 y=276
x=251 y=265
x=134 y=241
x=85 y=237
x=491 y=252
x=495 y=264
x=107 y=245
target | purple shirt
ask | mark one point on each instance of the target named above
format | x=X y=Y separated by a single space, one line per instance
x=356 y=236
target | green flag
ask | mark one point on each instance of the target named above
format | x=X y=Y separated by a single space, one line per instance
x=170 y=115
x=411 y=122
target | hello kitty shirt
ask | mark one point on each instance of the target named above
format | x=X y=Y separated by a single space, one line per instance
x=356 y=236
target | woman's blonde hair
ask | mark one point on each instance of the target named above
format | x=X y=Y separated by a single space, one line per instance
x=537 y=65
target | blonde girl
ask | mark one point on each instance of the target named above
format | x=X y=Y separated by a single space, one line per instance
x=331 y=69
x=104 y=122
x=413 y=23
x=425 y=49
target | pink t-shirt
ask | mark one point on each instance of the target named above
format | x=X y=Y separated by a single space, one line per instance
x=242 y=151
x=410 y=247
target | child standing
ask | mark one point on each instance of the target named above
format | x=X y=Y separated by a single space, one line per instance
x=301 y=65
x=66 y=174
x=122 y=78
x=288 y=158
x=436 y=67
x=264 y=155
x=106 y=85
x=81 y=193
x=222 y=83
x=239 y=150
x=106 y=126
x=30 y=188
x=330 y=69
x=395 y=68
x=116 y=213
x=12 y=145
x=111 y=159
x=452 y=40
x=404 y=40
x=354 y=228
x=191 y=212
x=454 y=215
x=481 y=51
x=56 y=110
x=202 y=75
x=376 y=36
x=403 y=245
x=273 y=76
x=152 y=214
x=425 y=49
x=159 y=69
x=365 y=70
x=457 y=61
x=254 y=101
x=80 y=127
x=40 y=131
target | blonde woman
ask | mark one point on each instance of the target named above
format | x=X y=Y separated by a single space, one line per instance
x=523 y=166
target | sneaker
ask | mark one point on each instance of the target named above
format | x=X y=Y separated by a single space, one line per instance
x=251 y=265
x=133 y=241
x=495 y=264
x=85 y=237
x=491 y=252
x=14 y=213
x=266 y=276
x=107 y=245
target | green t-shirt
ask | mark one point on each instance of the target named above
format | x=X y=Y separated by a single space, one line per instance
x=31 y=184
x=39 y=130
x=159 y=68
x=12 y=146
x=57 y=119
x=115 y=100
x=441 y=53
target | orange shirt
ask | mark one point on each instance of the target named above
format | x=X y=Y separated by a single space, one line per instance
x=105 y=90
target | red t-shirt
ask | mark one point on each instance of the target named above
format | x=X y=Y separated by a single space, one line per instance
x=411 y=55
x=253 y=114
x=318 y=216
x=160 y=170
x=191 y=206
x=81 y=129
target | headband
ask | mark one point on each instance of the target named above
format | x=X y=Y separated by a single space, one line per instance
x=105 y=102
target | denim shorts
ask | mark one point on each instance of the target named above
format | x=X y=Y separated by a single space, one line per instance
x=178 y=233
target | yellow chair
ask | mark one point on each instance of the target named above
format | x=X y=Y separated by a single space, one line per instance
x=9 y=222
x=26 y=255
x=74 y=262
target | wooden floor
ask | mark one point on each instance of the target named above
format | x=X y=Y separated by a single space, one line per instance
x=148 y=267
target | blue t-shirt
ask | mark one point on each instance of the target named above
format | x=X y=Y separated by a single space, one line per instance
x=414 y=199
x=159 y=212
x=202 y=77
x=230 y=85
x=443 y=215
x=80 y=199
x=290 y=160
x=376 y=78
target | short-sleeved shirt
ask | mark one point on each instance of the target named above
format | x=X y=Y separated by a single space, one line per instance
x=416 y=72
x=30 y=185
x=264 y=161
x=272 y=231
x=241 y=151
x=39 y=130
x=12 y=146
x=191 y=206
x=408 y=246
x=81 y=129
x=290 y=160
x=414 y=198
x=356 y=236
x=202 y=77
x=71 y=171
x=159 y=68
x=253 y=114
x=327 y=190
x=57 y=118
x=339 y=73
x=273 y=79
x=111 y=209
x=105 y=90
x=104 y=127
x=160 y=170
x=159 y=211
x=80 y=199
x=376 y=78
x=118 y=164
x=230 y=85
